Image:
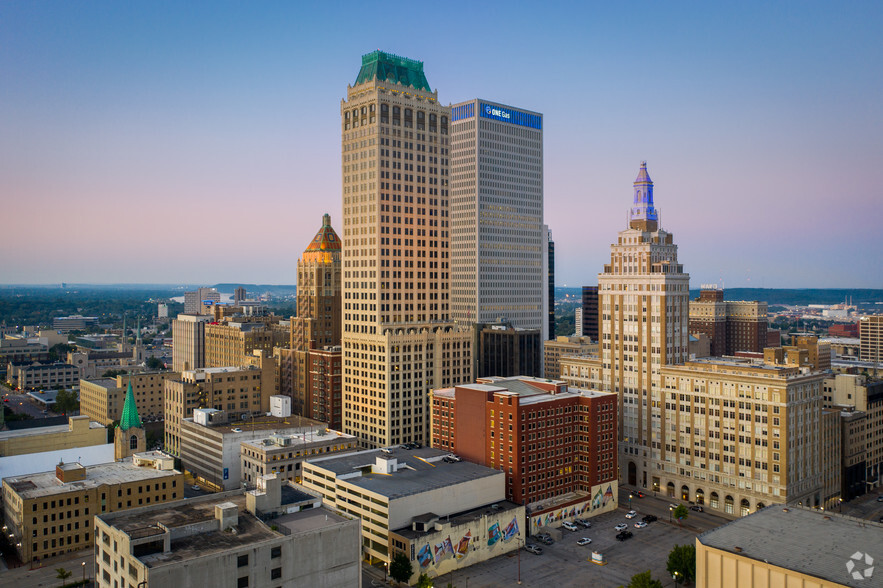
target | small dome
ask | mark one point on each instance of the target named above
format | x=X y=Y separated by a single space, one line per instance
x=326 y=239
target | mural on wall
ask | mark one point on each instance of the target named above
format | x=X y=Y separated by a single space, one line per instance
x=493 y=533
x=437 y=553
x=599 y=501
x=511 y=529
x=463 y=545
x=424 y=556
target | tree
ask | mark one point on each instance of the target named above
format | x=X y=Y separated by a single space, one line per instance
x=63 y=575
x=644 y=580
x=154 y=363
x=400 y=569
x=682 y=560
x=66 y=402
x=680 y=513
x=113 y=373
x=424 y=581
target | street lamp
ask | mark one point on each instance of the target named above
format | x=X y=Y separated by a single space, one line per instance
x=840 y=504
x=630 y=501
x=385 y=568
x=669 y=513
x=84 y=573
x=676 y=575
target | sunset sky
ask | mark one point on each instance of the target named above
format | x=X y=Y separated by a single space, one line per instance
x=199 y=142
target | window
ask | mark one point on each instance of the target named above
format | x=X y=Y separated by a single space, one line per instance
x=275 y=552
x=242 y=561
x=275 y=573
x=243 y=582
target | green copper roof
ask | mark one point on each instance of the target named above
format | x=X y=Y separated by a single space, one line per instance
x=386 y=67
x=130 y=418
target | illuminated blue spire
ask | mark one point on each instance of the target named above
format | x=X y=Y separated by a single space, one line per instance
x=643 y=215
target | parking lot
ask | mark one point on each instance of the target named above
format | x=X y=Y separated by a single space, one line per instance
x=567 y=564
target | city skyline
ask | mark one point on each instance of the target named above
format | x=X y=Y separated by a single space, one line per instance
x=138 y=123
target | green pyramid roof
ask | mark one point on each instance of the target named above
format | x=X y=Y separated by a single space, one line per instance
x=130 y=418
x=386 y=67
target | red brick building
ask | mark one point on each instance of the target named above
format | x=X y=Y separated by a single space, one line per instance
x=844 y=330
x=548 y=438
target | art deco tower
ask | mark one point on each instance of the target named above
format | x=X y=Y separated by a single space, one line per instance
x=644 y=311
x=398 y=341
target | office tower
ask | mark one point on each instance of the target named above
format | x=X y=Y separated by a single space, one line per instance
x=644 y=298
x=229 y=341
x=578 y=321
x=496 y=214
x=398 y=341
x=504 y=350
x=312 y=365
x=239 y=294
x=590 y=312
x=188 y=341
x=733 y=325
x=549 y=255
x=194 y=302
x=870 y=330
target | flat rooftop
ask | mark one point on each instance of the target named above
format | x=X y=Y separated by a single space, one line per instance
x=500 y=508
x=263 y=423
x=425 y=471
x=143 y=522
x=808 y=541
x=47 y=484
x=103 y=382
x=297 y=441
x=50 y=430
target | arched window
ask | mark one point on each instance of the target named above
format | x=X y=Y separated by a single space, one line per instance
x=133 y=442
x=685 y=493
x=715 y=502
x=728 y=504
x=700 y=496
x=671 y=490
x=744 y=507
x=396 y=115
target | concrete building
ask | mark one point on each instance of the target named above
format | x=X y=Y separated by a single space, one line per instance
x=223 y=540
x=548 y=439
x=102 y=399
x=228 y=342
x=398 y=339
x=497 y=233
x=561 y=347
x=237 y=390
x=283 y=454
x=578 y=321
x=731 y=325
x=66 y=324
x=19 y=350
x=38 y=376
x=188 y=342
x=870 y=334
x=848 y=393
x=211 y=443
x=390 y=489
x=505 y=350
x=51 y=513
x=80 y=431
x=201 y=300
x=788 y=547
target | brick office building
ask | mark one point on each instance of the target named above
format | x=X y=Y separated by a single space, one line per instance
x=732 y=325
x=549 y=439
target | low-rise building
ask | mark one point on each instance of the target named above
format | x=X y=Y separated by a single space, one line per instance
x=102 y=398
x=221 y=540
x=789 y=546
x=553 y=351
x=19 y=350
x=51 y=513
x=211 y=443
x=76 y=322
x=79 y=432
x=852 y=393
x=393 y=488
x=283 y=454
x=37 y=376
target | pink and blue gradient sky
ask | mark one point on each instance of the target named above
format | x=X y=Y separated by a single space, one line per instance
x=200 y=142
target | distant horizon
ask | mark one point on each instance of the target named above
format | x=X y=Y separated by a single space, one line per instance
x=149 y=143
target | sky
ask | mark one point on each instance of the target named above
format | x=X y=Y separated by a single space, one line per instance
x=199 y=142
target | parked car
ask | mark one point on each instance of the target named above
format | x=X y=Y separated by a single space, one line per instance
x=544 y=538
x=624 y=535
x=583 y=523
x=697 y=508
x=535 y=549
x=640 y=494
x=649 y=518
x=640 y=525
x=620 y=527
x=631 y=514
x=584 y=541
x=880 y=498
x=569 y=526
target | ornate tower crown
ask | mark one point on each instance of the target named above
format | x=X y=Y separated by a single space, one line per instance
x=643 y=215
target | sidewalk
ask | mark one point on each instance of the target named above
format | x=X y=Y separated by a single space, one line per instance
x=46 y=574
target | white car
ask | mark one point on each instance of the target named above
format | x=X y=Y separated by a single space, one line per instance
x=631 y=514
x=584 y=541
x=640 y=525
x=569 y=526
x=620 y=527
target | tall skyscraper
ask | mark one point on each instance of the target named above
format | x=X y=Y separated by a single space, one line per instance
x=644 y=298
x=194 y=302
x=590 y=312
x=398 y=341
x=188 y=341
x=497 y=214
x=549 y=306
